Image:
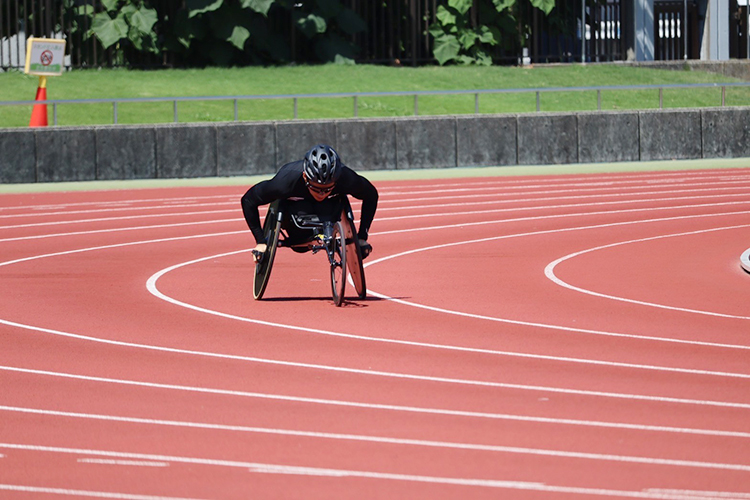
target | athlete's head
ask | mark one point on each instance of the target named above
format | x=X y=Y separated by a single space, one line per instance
x=322 y=168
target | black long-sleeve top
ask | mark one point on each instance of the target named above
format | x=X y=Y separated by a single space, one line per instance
x=289 y=183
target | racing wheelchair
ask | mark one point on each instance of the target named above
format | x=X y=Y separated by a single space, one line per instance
x=331 y=231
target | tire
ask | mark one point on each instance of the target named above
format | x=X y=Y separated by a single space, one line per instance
x=338 y=267
x=354 y=255
x=271 y=230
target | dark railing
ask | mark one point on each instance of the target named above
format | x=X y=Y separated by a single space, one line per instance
x=397 y=33
x=295 y=98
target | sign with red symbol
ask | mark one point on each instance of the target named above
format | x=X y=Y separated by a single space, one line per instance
x=45 y=56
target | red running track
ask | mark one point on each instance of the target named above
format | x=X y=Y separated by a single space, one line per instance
x=573 y=336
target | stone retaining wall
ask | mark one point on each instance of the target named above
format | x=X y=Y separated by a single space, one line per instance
x=56 y=154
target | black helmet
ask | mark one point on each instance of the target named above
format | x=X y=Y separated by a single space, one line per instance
x=322 y=164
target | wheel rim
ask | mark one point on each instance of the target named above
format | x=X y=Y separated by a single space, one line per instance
x=263 y=268
x=338 y=267
x=354 y=259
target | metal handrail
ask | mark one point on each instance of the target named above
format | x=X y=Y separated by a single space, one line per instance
x=357 y=95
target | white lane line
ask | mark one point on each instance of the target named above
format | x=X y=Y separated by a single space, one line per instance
x=153 y=289
x=260 y=360
x=454 y=194
x=699 y=494
x=380 y=219
x=395 y=408
x=568 y=188
x=111 y=209
x=81 y=493
x=255 y=467
x=549 y=272
x=121 y=229
x=131 y=217
x=115 y=203
x=126 y=463
x=493 y=201
x=333 y=436
x=374 y=373
x=323 y=367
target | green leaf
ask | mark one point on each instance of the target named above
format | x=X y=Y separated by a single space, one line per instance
x=311 y=25
x=501 y=5
x=110 y=4
x=109 y=31
x=445 y=16
x=144 y=19
x=135 y=38
x=350 y=23
x=545 y=6
x=239 y=36
x=467 y=39
x=197 y=7
x=260 y=6
x=490 y=35
x=436 y=30
x=462 y=6
x=446 y=49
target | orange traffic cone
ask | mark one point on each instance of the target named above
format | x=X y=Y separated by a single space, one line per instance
x=39 y=113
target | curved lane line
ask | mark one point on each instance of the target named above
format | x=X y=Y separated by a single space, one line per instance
x=363 y=438
x=317 y=471
x=303 y=365
x=387 y=407
x=549 y=272
x=153 y=289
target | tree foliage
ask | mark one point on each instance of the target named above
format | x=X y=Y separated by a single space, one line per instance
x=241 y=32
x=225 y=32
x=466 y=37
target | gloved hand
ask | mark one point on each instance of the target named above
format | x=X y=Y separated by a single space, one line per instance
x=258 y=251
x=365 y=248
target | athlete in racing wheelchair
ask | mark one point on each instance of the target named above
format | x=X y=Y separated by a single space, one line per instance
x=309 y=211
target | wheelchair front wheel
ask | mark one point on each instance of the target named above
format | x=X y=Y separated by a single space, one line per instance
x=338 y=263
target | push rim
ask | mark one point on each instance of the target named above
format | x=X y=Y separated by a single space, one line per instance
x=271 y=230
x=338 y=264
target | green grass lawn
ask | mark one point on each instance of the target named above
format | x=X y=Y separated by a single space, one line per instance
x=120 y=83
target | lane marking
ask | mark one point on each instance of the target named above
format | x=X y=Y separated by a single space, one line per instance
x=82 y=493
x=127 y=463
x=153 y=289
x=405 y=376
x=380 y=219
x=596 y=179
x=397 y=408
x=260 y=360
x=327 y=472
x=164 y=349
x=549 y=272
x=499 y=191
x=450 y=445
x=617 y=200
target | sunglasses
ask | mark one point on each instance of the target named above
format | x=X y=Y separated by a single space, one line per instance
x=319 y=189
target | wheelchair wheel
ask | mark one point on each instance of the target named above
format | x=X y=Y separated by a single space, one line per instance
x=354 y=254
x=271 y=230
x=338 y=264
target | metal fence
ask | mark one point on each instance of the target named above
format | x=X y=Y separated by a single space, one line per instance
x=355 y=96
x=396 y=33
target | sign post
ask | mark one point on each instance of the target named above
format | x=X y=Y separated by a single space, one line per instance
x=44 y=57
